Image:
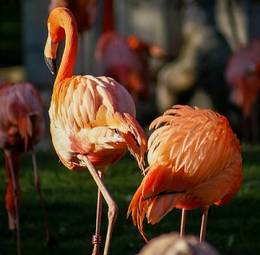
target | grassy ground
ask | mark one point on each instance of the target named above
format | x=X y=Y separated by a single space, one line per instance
x=71 y=201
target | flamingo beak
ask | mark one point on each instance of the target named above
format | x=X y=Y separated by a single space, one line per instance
x=50 y=55
x=51 y=64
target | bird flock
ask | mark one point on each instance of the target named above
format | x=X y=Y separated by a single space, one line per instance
x=193 y=156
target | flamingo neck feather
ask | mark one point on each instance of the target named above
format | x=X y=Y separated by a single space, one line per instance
x=66 y=68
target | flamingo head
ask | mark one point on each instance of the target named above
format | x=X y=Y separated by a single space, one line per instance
x=60 y=18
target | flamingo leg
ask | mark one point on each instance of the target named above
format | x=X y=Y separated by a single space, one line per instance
x=96 y=239
x=183 y=222
x=16 y=206
x=204 y=223
x=50 y=240
x=112 y=207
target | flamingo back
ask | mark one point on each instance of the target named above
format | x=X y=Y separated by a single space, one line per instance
x=194 y=161
x=21 y=116
x=94 y=117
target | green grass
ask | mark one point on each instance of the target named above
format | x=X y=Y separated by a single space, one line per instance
x=71 y=203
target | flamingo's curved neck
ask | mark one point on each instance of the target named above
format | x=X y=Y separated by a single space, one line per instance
x=70 y=50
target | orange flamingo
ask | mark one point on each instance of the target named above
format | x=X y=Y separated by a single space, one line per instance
x=21 y=128
x=194 y=161
x=92 y=118
x=125 y=58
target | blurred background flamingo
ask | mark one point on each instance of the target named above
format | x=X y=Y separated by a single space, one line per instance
x=21 y=128
x=125 y=58
x=92 y=119
x=243 y=76
x=194 y=161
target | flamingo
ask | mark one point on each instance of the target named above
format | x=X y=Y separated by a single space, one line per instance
x=194 y=161
x=92 y=119
x=85 y=12
x=21 y=128
x=125 y=58
x=243 y=76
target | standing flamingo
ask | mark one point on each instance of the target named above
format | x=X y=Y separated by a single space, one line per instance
x=243 y=76
x=21 y=128
x=125 y=58
x=92 y=118
x=194 y=161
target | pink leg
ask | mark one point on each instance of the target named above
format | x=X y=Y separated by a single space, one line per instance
x=96 y=239
x=183 y=222
x=17 y=214
x=112 y=207
x=204 y=223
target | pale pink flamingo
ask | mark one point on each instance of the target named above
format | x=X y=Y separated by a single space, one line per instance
x=21 y=128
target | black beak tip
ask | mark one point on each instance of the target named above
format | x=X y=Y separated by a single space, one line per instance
x=51 y=64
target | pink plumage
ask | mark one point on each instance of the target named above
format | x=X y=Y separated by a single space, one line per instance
x=243 y=75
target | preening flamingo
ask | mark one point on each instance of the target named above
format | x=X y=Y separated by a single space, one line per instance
x=91 y=118
x=125 y=58
x=21 y=128
x=194 y=161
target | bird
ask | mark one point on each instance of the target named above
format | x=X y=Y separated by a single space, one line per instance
x=243 y=75
x=85 y=12
x=92 y=119
x=194 y=160
x=21 y=128
x=125 y=58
